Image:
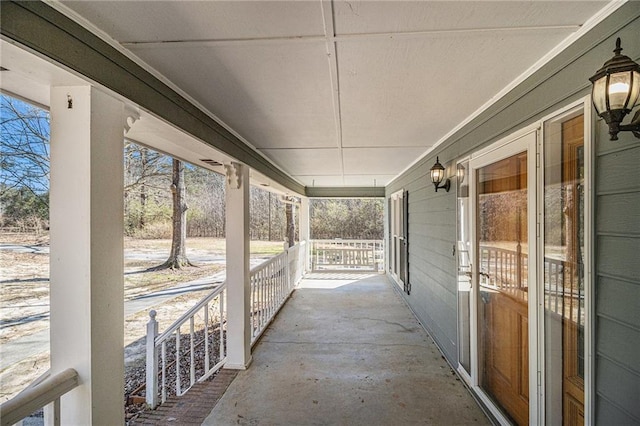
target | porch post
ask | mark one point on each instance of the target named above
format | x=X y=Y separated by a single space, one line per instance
x=304 y=219
x=87 y=290
x=238 y=284
x=304 y=229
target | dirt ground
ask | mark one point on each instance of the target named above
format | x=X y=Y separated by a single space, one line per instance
x=24 y=292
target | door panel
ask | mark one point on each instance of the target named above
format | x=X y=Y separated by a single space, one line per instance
x=502 y=258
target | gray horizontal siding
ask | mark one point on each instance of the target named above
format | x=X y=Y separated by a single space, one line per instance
x=617 y=276
x=432 y=229
x=609 y=219
x=610 y=413
x=619 y=300
x=432 y=219
x=617 y=389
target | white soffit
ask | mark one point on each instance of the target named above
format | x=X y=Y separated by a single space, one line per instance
x=335 y=91
x=278 y=95
x=379 y=160
x=308 y=161
x=411 y=91
x=178 y=21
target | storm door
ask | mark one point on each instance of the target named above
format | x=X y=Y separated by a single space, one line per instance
x=565 y=278
x=463 y=250
x=503 y=224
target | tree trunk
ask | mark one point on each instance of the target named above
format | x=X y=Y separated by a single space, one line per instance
x=143 y=189
x=291 y=227
x=269 y=237
x=178 y=256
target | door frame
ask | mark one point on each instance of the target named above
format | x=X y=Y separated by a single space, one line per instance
x=585 y=104
x=537 y=368
x=397 y=230
x=521 y=141
x=462 y=371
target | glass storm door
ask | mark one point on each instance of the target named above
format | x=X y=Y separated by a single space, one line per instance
x=564 y=268
x=504 y=225
x=463 y=250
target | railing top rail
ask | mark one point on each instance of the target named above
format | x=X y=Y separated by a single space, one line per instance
x=36 y=397
x=346 y=241
x=296 y=246
x=266 y=263
x=178 y=323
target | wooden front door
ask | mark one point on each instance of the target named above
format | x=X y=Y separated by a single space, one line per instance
x=502 y=257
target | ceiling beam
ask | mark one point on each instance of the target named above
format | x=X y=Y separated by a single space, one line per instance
x=345 y=192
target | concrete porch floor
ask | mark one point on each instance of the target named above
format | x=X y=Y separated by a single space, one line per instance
x=346 y=350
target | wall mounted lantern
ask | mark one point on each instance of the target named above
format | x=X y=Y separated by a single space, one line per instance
x=460 y=173
x=437 y=174
x=616 y=91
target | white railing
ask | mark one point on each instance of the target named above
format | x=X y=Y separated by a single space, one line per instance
x=297 y=262
x=332 y=255
x=207 y=333
x=44 y=391
x=271 y=284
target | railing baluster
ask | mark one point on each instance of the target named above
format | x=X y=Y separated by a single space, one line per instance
x=207 y=361
x=263 y=290
x=222 y=311
x=152 y=361
x=270 y=290
x=178 y=387
x=192 y=357
x=164 y=371
x=56 y=412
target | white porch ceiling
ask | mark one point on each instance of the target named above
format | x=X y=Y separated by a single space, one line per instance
x=339 y=93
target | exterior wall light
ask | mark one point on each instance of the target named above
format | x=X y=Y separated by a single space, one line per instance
x=460 y=173
x=616 y=91
x=437 y=174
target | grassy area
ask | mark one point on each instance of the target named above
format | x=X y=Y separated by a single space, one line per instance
x=206 y=244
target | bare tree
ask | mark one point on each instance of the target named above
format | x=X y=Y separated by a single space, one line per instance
x=178 y=255
x=290 y=225
x=24 y=164
x=24 y=146
x=147 y=174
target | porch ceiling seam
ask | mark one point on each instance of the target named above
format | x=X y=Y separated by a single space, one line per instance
x=206 y=42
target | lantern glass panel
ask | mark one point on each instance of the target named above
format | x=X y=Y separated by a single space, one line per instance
x=599 y=92
x=635 y=90
x=437 y=175
x=619 y=86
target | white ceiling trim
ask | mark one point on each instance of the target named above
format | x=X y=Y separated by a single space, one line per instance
x=588 y=26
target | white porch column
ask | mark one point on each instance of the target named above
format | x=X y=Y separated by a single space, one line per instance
x=304 y=219
x=238 y=284
x=305 y=233
x=86 y=216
